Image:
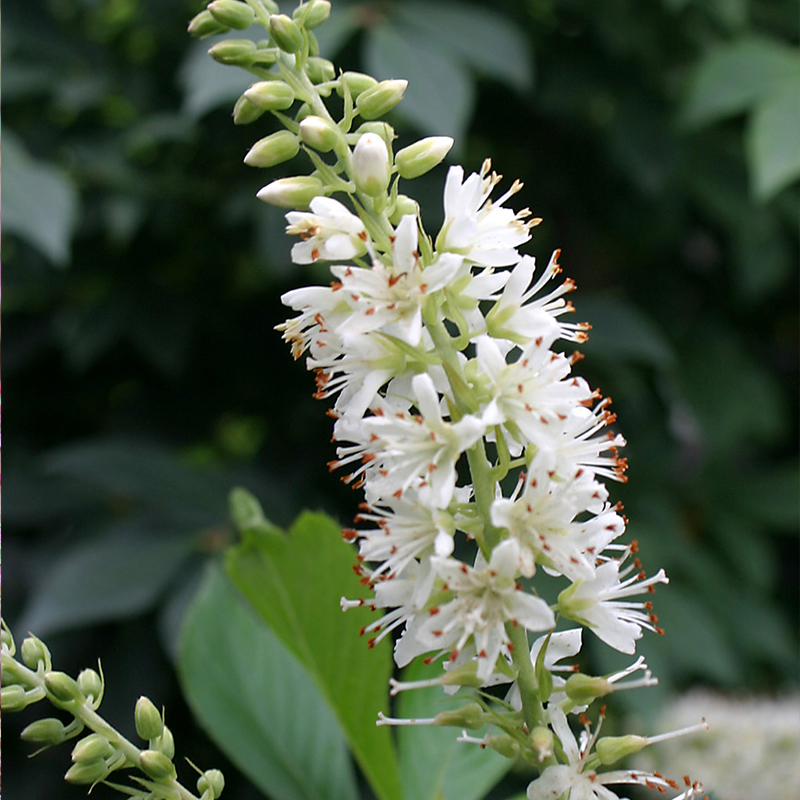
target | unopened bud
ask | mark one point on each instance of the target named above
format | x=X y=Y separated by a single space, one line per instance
x=149 y=724
x=34 y=652
x=90 y=684
x=90 y=772
x=294 y=193
x=313 y=13
x=319 y=133
x=320 y=70
x=165 y=743
x=611 y=749
x=213 y=780
x=541 y=740
x=422 y=156
x=380 y=99
x=403 y=206
x=469 y=716
x=270 y=95
x=62 y=687
x=286 y=33
x=49 y=732
x=14 y=698
x=504 y=744
x=238 y=52
x=156 y=765
x=357 y=83
x=371 y=165
x=585 y=689
x=245 y=112
x=91 y=748
x=232 y=13
x=204 y=24
x=273 y=149
x=7 y=640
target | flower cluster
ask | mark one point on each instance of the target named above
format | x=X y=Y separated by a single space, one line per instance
x=481 y=456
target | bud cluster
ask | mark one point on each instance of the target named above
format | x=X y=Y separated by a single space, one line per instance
x=103 y=750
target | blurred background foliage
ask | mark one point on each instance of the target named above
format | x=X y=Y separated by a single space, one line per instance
x=659 y=142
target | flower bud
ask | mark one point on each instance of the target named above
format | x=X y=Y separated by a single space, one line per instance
x=319 y=133
x=48 y=732
x=584 y=689
x=91 y=748
x=34 y=652
x=320 y=70
x=611 y=749
x=404 y=206
x=89 y=772
x=238 y=52
x=357 y=82
x=422 y=156
x=13 y=698
x=313 y=13
x=541 y=740
x=504 y=744
x=371 y=165
x=7 y=640
x=62 y=687
x=292 y=192
x=273 y=149
x=270 y=95
x=204 y=24
x=149 y=724
x=286 y=33
x=90 y=684
x=156 y=765
x=213 y=780
x=380 y=99
x=232 y=13
x=469 y=716
x=245 y=112
x=165 y=743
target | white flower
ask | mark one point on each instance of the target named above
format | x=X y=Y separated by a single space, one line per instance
x=484 y=598
x=602 y=605
x=329 y=232
x=475 y=226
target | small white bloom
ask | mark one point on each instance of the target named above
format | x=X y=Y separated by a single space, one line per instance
x=329 y=231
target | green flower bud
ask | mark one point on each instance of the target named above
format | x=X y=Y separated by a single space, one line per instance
x=149 y=724
x=403 y=206
x=504 y=744
x=91 y=748
x=34 y=652
x=371 y=170
x=357 y=82
x=165 y=743
x=584 y=689
x=245 y=112
x=294 y=193
x=320 y=70
x=611 y=749
x=156 y=765
x=238 y=52
x=204 y=24
x=270 y=95
x=319 y=133
x=90 y=684
x=313 y=13
x=87 y=772
x=62 y=688
x=48 y=732
x=211 y=780
x=286 y=33
x=383 y=129
x=13 y=698
x=380 y=99
x=7 y=640
x=541 y=740
x=469 y=716
x=422 y=156
x=273 y=149
x=232 y=13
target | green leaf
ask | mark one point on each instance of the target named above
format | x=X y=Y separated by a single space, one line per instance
x=257 y=703
x=295 y=583
x=122 y=573
x=441 y=107
x=40 y=203
x=485 y=41
x=774 y=140
x=433 y=764
x=734 y=77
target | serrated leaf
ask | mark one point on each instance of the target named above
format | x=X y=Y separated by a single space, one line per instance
x=256 y=701
x=440 y=97
x=433 y=764
x=294 y=584
x=734 y=77
x=774 y=140
x=40 y=202
x=119 y=574
x=482 y=39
